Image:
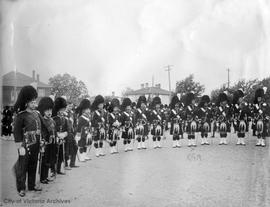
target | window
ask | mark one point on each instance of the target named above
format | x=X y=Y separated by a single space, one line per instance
x=41 y=92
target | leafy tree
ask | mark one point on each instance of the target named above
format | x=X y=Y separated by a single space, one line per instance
x=69 y=86
x=189 y=85
x=216 y=92
x=248 y=86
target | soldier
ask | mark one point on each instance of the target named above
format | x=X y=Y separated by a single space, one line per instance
x=71 y=145
x=7 y=121
x=142 y=122
x=204 y=115
x=241 y=116
x=157 y=120
x=27 y=133
x=176 y=119
x=261 y=116
x=191 y=119
x=223 y=114
x=114 y=122
x=45 y=107
x=99 y=125
x=127 y=124
x=83 y=133
x=213 y=112
x=61 y=126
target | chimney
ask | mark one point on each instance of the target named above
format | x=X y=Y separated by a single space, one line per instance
x=146 y=85
x=142 y=85
x=37 y=77
x=34 y=75
x=113 y=93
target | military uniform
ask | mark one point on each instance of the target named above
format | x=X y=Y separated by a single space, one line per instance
x=204 y=116
x=27 y=134
x=240 y=116
x=99 y=125
x=7 y=122
x=62 y=132
x=27 y=129
x=61 y=126
x=85 y=139
x=261 y=119
x=114 y=122
x=49 y=160
x=191 y=119
x=176 y=119
x=142 y=122
x=158 y=121
x=127 y=124
x=224 y=115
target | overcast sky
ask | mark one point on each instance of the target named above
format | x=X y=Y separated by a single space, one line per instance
x=111 y=45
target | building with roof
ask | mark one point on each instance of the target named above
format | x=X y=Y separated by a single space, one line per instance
x=12 y=83
x=149 y=92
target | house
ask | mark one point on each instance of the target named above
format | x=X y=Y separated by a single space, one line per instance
x=12 y=83
x=149 y=92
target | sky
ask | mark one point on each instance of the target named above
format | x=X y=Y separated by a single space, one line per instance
x=111 y=45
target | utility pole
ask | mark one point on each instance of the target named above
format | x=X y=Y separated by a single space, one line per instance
x=169 y=75
x=228 y=70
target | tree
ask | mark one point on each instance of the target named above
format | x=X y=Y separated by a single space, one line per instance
x=69 y=86
x=266 y=83
x=216 y=92
x=189 y=85
x=248 y=86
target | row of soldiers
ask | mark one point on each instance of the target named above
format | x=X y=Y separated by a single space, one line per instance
x=54 y=134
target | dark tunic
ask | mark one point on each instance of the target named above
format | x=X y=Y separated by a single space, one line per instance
x=128 y=122
x=224 y=115
x=176 y=117
x=204 y=115
x=190 y=116
x=261 y=112
x=27 y=122
x=157 y=118
x=99 y=121
x=83 y=128
x=142 y=117
x=112 y=118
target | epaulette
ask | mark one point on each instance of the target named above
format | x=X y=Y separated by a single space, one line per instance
x=21 y=112
x=37 y=111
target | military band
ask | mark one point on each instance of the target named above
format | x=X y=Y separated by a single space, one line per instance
x=50 y=139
